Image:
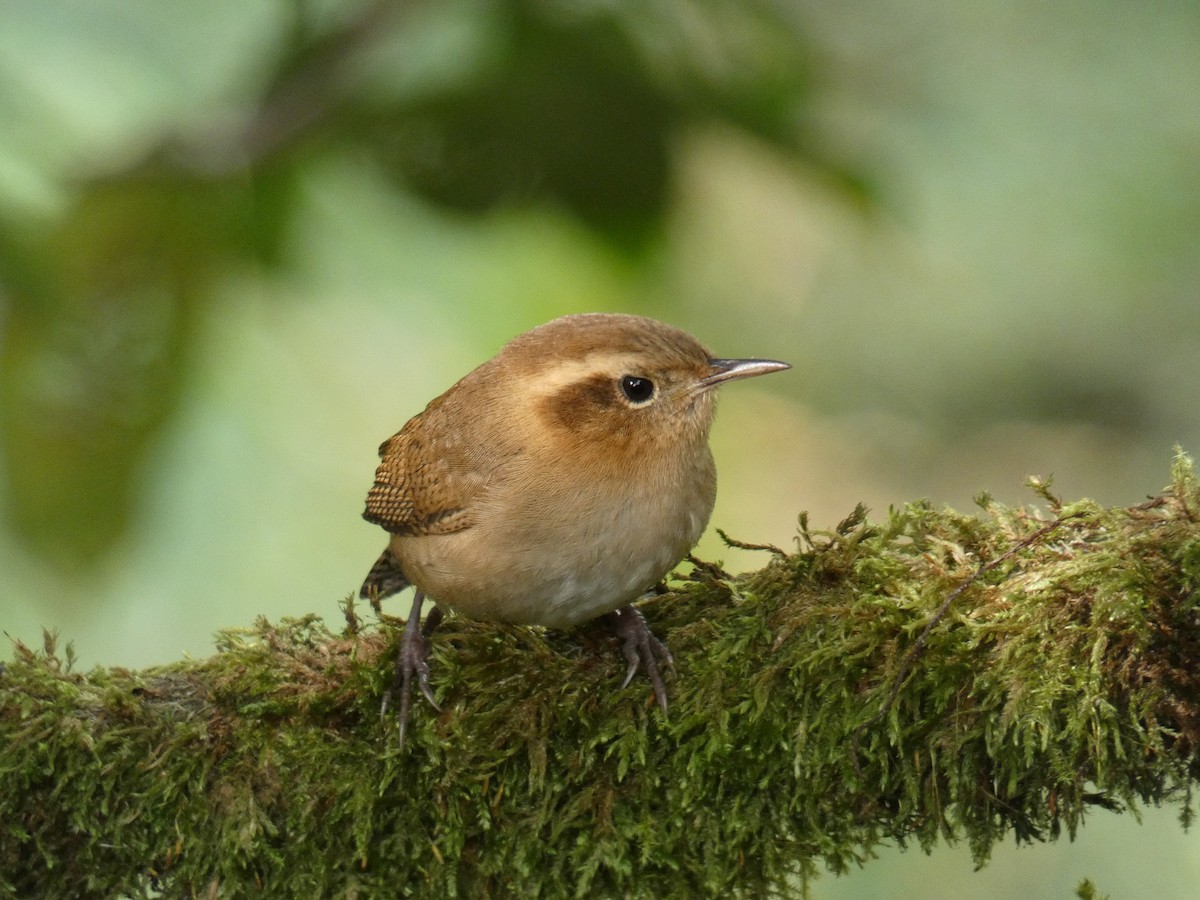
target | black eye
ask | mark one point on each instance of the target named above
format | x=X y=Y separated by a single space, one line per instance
x=636 y=388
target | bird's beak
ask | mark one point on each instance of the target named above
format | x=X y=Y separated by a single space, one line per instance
x=723 y=370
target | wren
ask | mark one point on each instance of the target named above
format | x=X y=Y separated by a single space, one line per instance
x=554 y=484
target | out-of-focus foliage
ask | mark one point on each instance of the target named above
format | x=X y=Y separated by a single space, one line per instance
x=241 y=241
x=471 y=105
x=95 y=345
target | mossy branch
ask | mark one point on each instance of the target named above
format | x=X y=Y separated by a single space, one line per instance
x=933 y=675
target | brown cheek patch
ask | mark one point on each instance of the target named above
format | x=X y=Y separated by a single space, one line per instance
x=584 y=403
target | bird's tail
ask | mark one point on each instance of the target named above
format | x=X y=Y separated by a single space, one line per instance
x=385 y=578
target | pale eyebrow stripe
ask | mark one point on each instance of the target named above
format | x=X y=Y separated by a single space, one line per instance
x=573 y=371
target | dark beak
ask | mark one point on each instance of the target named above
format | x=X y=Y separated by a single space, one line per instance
x=723 y=370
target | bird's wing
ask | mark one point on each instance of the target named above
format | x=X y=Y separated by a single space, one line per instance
x=426 y=480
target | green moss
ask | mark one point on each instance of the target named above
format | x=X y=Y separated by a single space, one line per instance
x=933 y=676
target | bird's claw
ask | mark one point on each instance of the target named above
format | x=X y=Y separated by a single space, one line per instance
x=642 y=648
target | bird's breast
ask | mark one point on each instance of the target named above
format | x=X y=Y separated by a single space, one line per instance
x=557 y=548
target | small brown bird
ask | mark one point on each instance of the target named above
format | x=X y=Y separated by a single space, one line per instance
x=556 y=483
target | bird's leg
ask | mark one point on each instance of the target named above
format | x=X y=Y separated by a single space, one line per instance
x=413 y=658
x=641 y=647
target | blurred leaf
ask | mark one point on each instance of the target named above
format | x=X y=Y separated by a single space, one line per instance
x=572 y=104
x=99 y=314
x=568 y=116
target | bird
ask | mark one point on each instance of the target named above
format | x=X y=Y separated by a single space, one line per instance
x=556 y=483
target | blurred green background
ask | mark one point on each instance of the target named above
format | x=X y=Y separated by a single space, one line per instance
x=242 y=242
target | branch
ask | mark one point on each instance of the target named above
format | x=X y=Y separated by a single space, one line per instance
x=934 y=675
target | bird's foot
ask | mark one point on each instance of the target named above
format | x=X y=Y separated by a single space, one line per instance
x=642 y=648
x=412 y=659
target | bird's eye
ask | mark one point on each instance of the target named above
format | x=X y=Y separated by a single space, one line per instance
x=636 y=388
